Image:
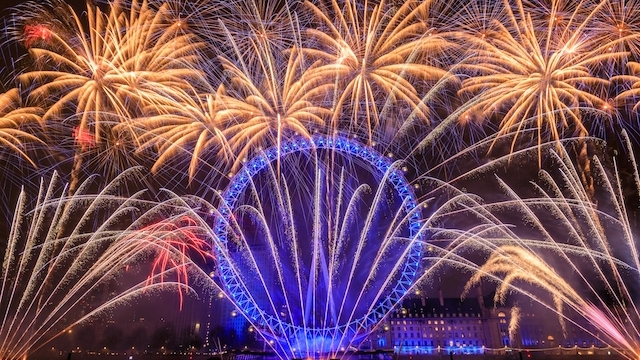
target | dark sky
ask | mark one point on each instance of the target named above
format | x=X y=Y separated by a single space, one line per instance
x=9 y=3
x=8 y=53
x=6 y=4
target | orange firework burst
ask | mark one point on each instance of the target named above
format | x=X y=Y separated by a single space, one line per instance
x=176 y=242
x=267 y=102
x=13 y=117
x=618 y=24
x=535 y=74
x=375 y=54
x=632 y=94
x=106 y=69
x=192 y=127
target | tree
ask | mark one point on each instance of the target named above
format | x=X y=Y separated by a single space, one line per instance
x=138 y=338
x=112 y=337
x=163 y=336
x=85 y=336
x=190 y=339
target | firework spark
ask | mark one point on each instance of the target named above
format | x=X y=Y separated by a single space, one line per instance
x=631 y=94
x=375 y=54
x=101 y=74
x=531 y=76
x=13 y=117
x=601 y=240
x=193 y=127
x=48 y=277
x=269 y=103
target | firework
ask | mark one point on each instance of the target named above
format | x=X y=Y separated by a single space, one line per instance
x=48 y=277
x=532 y=73
x=513 y=264
x=258 y=26
x=268 y=102
x=375 y=54
x=211 y=89
x=194 y=127
x=176 y=237
x=618 y=25
x=101 y=70
x=13 y=118
x=631 y=94
x=590 y=240
x=101 y=74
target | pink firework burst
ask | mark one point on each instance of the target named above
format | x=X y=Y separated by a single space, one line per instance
x=176 y=243
x=36 y=32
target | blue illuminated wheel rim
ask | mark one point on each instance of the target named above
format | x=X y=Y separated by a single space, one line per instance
x=230 y=280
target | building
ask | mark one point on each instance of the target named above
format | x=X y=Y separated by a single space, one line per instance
x=441 y=325
x=454 y=326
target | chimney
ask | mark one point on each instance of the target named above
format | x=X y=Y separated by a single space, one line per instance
x=481 y=301
x=441 y=298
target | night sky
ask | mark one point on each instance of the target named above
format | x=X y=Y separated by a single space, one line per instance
x=9 y=3
x=159 y=309
x=196 y=309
